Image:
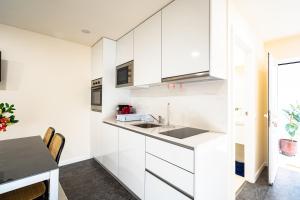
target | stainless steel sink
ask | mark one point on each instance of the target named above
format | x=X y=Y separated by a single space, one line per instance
x=147 y=125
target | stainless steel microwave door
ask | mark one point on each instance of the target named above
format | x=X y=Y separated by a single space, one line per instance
x=124 y=74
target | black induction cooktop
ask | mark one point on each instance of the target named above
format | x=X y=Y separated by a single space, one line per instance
x=184 y=132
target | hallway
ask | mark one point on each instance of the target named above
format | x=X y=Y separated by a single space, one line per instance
x=286 y=187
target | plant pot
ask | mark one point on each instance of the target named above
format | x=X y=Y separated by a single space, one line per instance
x=288 y=147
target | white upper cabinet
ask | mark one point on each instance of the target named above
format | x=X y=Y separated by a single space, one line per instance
x=147 y=51
x=218 y=38
x=185 y=37
x=97 y=57
x=125 y=49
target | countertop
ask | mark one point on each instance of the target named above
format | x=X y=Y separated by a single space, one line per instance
x=189 y=143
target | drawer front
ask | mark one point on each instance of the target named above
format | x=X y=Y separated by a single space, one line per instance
x=155 y=189
x=174 y=154
x=176 y=176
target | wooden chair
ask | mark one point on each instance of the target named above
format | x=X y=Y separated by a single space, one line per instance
x=56 y=146
x=48 y=136
x=38 y=190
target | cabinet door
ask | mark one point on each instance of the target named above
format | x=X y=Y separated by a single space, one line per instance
x=218 y=38
x=95 y=125
x=185 y=37
x=156 y=189
x=97 y=60
x=125 y=48
x=147 y=51
x=109 y=148
x=132 y=161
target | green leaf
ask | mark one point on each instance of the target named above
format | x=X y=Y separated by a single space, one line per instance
x=297 y=117
x=291 y=128
x=7 y=108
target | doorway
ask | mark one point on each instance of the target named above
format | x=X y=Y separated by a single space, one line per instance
x=241 y=78
x=284 y=126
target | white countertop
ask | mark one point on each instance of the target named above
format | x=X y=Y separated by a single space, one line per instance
x=190 y=142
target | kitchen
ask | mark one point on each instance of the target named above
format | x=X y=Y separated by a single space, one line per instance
x=147 y=157
x=172 y=70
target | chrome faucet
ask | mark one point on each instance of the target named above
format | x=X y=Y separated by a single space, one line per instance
x=159 y=120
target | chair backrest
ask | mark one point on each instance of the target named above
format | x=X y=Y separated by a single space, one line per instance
x=48 y=136
x=56 y=146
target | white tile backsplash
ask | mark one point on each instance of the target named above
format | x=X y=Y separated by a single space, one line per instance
x=200 y=105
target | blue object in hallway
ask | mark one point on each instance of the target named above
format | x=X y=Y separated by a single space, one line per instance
x=240 y=168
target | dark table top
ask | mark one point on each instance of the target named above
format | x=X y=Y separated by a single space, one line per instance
x=24 y=157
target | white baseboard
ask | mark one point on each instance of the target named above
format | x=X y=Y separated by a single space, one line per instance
x=74 y=160
x=259 y=171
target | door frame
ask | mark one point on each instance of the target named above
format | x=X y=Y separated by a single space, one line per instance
x=237 y=38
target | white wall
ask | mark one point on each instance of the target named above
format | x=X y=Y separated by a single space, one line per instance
x=201 y=105
x=48 y=80
x=256 y=144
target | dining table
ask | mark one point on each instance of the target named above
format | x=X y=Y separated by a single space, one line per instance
x=25 y=161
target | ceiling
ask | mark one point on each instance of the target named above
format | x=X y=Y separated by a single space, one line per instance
x=66 y=18
x=112 y=18
x=272 y=19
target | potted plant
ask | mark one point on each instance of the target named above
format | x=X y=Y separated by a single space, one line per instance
x=288 y=147
x=7 y=116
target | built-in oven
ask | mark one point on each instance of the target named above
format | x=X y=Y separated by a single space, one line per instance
x=96 y=95
x=124 y=74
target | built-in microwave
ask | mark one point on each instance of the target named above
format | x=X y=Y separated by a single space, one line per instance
x=124 y=74
x=96 y=95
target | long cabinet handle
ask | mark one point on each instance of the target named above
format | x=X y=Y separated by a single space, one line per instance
x=170 y=184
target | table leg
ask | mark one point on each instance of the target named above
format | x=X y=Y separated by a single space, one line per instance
x=53 y=185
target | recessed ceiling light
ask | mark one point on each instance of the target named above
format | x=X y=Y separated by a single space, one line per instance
x=86 y=31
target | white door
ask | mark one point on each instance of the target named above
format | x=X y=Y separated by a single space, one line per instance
x=147 y=51
x=125 y=49
x=109 y=148
x=132 y=161
x=97 y=60
x=95 y=133
x=273 y=134
x=185 y=37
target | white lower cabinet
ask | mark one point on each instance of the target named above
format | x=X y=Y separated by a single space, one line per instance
x=156 y=189
x=174 y=154
x=150 y=168
x=177 y=176
x=95 y=133
x=109 y=148
x=132 y=161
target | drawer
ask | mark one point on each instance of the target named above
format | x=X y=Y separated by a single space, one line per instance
x=156 y=189
x=172 y=174
x=174 y=154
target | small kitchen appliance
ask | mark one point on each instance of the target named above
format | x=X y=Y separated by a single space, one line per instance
x=124 y=74
x=125 y=109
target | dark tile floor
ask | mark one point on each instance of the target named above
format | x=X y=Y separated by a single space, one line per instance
x=286 y=187
x=87 y=180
